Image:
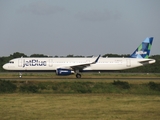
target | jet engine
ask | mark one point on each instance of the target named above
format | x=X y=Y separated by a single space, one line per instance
x=61 y=71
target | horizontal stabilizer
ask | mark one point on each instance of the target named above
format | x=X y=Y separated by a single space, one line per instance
x=147 y=61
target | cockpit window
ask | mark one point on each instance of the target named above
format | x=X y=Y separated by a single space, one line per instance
x=12 y=62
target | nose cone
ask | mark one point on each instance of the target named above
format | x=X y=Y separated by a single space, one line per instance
x=5 y=66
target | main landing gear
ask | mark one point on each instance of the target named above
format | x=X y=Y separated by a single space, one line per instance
x=78 y=75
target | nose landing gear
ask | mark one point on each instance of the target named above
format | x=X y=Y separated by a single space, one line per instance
x=20 y=75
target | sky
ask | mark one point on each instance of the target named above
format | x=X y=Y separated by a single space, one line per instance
x=78 y=27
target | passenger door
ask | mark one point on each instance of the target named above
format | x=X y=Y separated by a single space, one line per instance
x=128 y=62
x=50 y=62
x=20 y=62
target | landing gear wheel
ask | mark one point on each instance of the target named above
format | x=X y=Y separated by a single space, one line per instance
x=20 y=75
x=78 y=75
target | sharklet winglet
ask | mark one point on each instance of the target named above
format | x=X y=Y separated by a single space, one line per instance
x=96 y=60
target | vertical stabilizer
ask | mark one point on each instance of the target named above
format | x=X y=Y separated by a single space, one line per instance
x=144 y=48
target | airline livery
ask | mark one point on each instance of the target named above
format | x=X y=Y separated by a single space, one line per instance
x=68 y=66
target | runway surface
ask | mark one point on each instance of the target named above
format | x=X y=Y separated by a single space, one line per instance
x=83 y=79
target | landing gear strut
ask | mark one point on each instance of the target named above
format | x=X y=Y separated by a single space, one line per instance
x=78 y=75
x=20 y=75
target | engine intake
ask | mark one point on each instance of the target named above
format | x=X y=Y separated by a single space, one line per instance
x=61 y=71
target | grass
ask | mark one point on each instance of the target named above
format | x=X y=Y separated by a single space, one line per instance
x=79 y=106
x=130 y=104
x=70 y=86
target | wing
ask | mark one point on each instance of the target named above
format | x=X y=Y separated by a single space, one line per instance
x=81 y=66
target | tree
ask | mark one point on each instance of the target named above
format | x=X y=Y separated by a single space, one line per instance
x=17 y=55
x=70 y=55
x=38 y=55
x=115 y=55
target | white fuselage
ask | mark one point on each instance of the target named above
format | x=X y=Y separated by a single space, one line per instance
x=51 y=64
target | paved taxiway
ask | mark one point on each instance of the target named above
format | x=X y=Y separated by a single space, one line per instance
x=52 y=79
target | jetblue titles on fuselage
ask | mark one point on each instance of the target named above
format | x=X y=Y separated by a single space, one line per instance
x=34 y=62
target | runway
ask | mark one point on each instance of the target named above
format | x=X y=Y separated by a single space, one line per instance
x=75 y=79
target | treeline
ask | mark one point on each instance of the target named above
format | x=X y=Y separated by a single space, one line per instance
x=153 y=68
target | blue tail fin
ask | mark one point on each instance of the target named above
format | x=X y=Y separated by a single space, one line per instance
x=144 y=48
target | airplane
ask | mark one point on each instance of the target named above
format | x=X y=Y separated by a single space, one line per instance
x=68 y=66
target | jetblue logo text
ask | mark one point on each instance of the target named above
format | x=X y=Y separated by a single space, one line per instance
x=34 y=63
x=141 y=52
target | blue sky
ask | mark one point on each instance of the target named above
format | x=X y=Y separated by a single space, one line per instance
x=78 y=27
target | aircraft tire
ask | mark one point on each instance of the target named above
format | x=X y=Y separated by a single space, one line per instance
x=78 y=75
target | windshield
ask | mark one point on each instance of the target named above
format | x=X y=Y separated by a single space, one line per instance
x=11 y=62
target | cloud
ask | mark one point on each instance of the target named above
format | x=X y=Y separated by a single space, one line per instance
x=95 y=15
x=41 y=8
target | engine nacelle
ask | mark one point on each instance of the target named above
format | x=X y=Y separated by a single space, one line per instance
x=61 y=71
